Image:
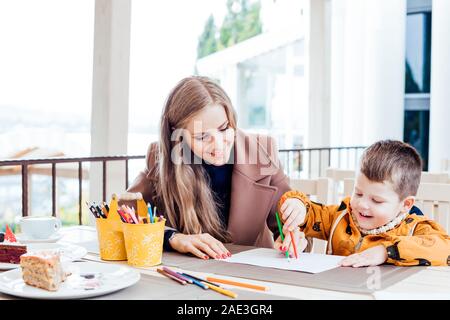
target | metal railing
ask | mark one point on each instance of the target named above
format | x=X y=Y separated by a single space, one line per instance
x=294 y=161
x=312 y=162
x=25 y=164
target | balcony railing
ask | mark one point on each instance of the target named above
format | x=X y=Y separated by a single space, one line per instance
x=306 y=163
x=25 y=166
x=312 y=162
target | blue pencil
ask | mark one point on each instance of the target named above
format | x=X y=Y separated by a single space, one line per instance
x=198 y=283
x=150 y=213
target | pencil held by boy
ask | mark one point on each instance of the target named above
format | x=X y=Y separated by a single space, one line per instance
x=379 y=222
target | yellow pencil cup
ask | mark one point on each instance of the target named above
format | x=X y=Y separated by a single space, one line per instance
x=111 y=240
x=144 y=243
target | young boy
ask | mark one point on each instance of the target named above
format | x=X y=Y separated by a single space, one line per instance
x=377 y=224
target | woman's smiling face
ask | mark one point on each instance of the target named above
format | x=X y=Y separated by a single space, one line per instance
x=210 y=136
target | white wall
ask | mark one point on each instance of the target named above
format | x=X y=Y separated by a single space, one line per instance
x=440 y=85
x=367 y=71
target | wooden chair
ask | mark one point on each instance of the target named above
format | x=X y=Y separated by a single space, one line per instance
x=434 y=201
x=319 y=190
x=349 y=184
x=446 y=165
x=337 y=177
x=426 y=177
x=432 y=177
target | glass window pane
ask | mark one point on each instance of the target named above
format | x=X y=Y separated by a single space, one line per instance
x=418 y=53
x=416 y=132
x=45 y=101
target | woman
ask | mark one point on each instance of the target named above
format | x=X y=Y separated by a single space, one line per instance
x=213 y=183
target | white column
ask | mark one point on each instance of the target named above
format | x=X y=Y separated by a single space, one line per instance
x=367 y=71
x=317 y=70
x=109 y=122
x=440 y=89
x=337 y=72
x=384 y=70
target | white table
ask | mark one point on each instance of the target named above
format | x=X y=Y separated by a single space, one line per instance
x=428 y=283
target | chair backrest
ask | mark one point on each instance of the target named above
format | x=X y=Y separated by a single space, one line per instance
x=445 y=165
x=349 y=184
x=434 y=201
x=337 y=176
x=426 y=177
x=432 y=177
x=318 y=190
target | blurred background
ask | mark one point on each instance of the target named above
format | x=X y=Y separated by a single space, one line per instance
x=326 y=78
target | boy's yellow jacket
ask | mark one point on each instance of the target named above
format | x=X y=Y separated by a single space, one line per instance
x=416 y=241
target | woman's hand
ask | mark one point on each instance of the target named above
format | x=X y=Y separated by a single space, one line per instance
x=293 y=213
x=201 y=245
x=286 y=245
x=370 y=257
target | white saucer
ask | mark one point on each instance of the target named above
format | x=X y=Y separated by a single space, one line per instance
x=22 y=238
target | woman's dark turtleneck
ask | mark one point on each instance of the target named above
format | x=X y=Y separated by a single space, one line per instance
x=219 y=179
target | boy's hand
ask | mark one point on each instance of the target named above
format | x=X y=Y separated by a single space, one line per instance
x=285 y=245
x=370 y=257
x=293 y=213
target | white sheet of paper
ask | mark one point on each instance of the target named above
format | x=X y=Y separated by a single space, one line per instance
x=270 y=258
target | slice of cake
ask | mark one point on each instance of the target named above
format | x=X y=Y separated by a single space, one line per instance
x=11 y=252
x=43 y=270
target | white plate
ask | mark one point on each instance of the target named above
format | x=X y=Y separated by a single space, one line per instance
x=108 y=278
x=22 y=238
x=69 y=252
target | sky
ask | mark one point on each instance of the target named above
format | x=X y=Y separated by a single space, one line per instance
x=46 y=51
x=163 y=50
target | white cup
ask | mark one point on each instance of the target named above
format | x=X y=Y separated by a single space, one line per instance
x=39 y=227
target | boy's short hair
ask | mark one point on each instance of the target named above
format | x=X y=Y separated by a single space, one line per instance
x=393 y=161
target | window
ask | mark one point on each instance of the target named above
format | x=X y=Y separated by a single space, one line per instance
x=45 y=100
x=418 y=52
x=417 y=78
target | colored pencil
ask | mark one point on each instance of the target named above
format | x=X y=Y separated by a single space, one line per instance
x=92 y=209
x=105 y=212
x=238 y=284
x=281 y=232
x=171 y=277
x=100 y=212
x=120 y=213
x=106 y=206
x=175 y=274
x=293 y=244
x=222 y=290
x=150 y=213
x=197 y=283
x=200 y=279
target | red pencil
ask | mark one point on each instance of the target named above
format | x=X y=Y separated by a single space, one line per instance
x=293 y=244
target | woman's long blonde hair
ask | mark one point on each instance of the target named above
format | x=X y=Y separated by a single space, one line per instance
x=183 y=187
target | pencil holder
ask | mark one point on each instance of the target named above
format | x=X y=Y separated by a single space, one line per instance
x=110 y=241
x=141 y=244
x=110 y=235
x=144 y=243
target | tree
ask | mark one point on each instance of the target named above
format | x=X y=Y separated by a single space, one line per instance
x=207 y=43
x=241 y=22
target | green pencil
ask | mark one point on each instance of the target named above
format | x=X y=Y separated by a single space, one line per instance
x=280 y=228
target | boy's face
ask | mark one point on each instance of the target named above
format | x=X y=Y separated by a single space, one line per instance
x=376 y=203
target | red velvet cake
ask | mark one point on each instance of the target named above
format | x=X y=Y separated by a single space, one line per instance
x=11 y=252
